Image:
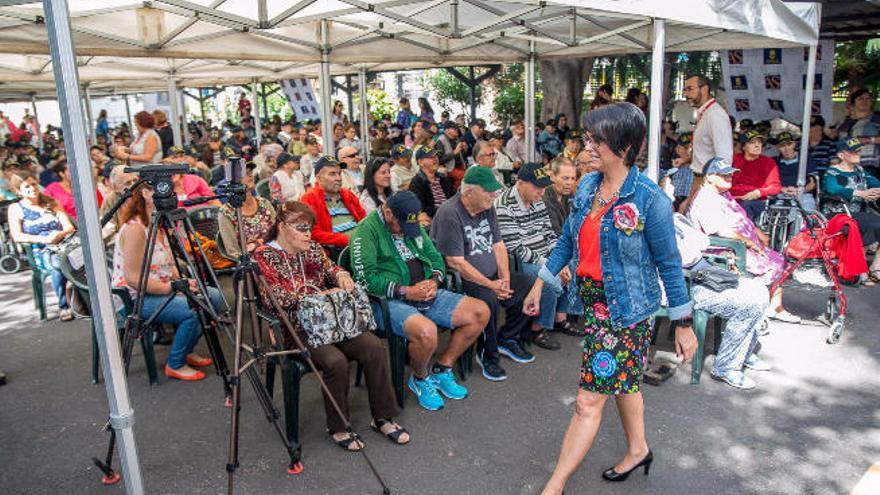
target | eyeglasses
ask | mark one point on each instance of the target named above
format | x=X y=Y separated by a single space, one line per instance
x=303 y=228
x=351 y=156
x=488 y=154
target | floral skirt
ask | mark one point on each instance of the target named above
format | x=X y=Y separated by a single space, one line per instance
x=614 y=358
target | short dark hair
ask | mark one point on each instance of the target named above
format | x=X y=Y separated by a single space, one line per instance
x=857 y=93
x=701 y=80
x=621 y=126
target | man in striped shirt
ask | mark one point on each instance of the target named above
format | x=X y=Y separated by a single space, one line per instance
x=525 y=227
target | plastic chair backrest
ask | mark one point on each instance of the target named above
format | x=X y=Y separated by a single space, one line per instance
x=205 y=220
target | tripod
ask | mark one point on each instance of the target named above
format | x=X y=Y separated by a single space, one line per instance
x=169 y=219
x=247 y=279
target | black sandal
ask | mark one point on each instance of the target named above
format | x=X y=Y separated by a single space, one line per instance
x=394 y=435
x=567 y=328
x=346 y=442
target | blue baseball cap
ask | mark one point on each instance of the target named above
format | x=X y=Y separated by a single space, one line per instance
x=535 y=174
x=399 y=151
x=405 y=206
x=325 y=161
x=852 y=144
x=719 y=166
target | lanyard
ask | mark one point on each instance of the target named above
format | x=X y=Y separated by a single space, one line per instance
x=700 y=115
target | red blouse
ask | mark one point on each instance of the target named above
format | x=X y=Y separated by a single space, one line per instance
x=590 y=264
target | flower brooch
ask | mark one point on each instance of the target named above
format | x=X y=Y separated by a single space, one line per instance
x=627 y=218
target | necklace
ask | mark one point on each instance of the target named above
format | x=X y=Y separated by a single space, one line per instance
x=605 y=202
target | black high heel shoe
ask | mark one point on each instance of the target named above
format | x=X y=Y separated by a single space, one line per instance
x=612 y=475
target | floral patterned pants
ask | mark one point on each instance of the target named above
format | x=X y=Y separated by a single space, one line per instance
x=614 y=358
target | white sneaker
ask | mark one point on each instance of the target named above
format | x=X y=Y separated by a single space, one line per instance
x=736 y=379
x=784 y=316
x=755 y=363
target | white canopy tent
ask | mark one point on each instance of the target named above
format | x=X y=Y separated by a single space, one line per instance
x=124 y=46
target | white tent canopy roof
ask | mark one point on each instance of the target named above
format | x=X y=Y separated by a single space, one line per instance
x=125 y=46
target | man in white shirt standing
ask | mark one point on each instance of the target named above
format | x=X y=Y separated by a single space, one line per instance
x=516 y=145
x=712 y=135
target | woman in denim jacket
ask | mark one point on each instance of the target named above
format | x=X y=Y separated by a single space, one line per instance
x=621 y=237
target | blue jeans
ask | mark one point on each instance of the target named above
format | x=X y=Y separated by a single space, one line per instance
x=554 y=297
x=186 y=323
x=440 y=311
x=49 y=260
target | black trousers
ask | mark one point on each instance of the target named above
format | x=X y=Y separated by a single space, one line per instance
x=516 y=324
x=869 y=226
x=753 y=208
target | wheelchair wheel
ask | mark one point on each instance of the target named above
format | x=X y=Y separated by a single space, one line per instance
x=834 y=332
x=10 y=264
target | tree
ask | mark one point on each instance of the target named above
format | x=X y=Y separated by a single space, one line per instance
x=563 y=82
x=379 y=103
x=857 y=65
x=449 y=90
x=509 y=103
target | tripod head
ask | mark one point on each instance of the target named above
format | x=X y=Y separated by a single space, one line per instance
x=235 y=192
x=159 y=176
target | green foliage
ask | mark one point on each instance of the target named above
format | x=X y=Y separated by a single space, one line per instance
x=857 y=65
x=509 y=102
x=379 y=102
x=448 y=90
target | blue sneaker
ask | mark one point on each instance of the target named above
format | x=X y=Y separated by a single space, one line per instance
x=446 y=384
x=426 y=392
x=514 y=351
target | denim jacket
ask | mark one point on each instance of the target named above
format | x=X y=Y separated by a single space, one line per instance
x=630 y=263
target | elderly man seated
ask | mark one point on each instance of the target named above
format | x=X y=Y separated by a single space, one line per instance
x=528 y=234
x=743 y=307
x=337 y=210
x=465 y=230
x=352 y=172
x=392 y=255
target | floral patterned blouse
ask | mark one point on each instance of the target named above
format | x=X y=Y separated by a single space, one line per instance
x=161 y=266
x=256 y=226
x=283 y=273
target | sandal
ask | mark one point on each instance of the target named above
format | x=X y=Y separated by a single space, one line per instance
x=566 y=328
x=350 y=440
x=394 y=435
x=874 y=276
x=65 y=315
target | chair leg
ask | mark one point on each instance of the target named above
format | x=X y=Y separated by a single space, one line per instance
x=359 y=374
x=291 y=375
x=701 y=319
x=271 y=363
x=397 y=356
x=149 y=355
x=95 y=356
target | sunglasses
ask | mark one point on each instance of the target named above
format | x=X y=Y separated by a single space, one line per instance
x=303 y=228
x=351 y=156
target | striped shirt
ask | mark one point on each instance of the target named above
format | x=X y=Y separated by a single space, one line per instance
x=437 y=192
x=822 y=153
x=682 y=180
x=526 y=232
x=340 y=217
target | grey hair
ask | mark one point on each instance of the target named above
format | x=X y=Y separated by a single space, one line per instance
x=116 y=175
x=272 y=150
x=466 y=188
x=478 y=147
x=558 y=162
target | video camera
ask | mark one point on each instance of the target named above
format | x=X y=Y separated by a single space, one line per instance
x=159 y=177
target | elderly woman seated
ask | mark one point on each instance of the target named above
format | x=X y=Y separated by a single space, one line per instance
x=40 y=221
x=294 y=266
x=853 y=190
x=715 y=212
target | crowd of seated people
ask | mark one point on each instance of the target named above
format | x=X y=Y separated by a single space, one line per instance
x=437 y=198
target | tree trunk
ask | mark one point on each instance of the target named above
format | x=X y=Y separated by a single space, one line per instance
x=563 y=82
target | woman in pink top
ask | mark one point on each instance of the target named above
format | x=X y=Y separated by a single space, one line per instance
x=62 y=191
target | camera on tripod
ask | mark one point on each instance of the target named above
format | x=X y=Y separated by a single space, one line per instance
x=159 y=177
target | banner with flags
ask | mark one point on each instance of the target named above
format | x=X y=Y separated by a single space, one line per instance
x=301 y=98
x=768 y=83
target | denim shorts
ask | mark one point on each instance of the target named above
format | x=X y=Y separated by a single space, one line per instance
x=440 y=312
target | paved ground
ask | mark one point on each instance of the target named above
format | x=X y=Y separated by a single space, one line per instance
x=812 y=426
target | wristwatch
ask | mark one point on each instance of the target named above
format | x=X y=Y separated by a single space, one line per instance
x=687 y=321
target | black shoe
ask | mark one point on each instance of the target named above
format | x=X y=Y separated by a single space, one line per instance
x=2 y=378
x=512 y=350
x=567 y=328
x=543 y=340
x=612 y=475
x=492 y=371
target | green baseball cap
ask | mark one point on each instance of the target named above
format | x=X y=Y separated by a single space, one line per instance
x=483 y=177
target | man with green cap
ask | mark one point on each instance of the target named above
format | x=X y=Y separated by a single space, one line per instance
x=465 y=230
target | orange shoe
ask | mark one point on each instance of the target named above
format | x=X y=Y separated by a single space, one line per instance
x=198 y=361
x=171 y=373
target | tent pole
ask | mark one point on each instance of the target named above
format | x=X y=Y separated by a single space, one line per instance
x=37 y=121
x=258 y=128
x=181 y=98
x=174 y=117
x=364 y=113
x=127 y=112
x=104 y=318
x=472 y=93
x=530 y=103
x=87 y=96
x=326 y=90
x=656 y=109
x=805 y=126
x=202 y=105
x=265 y=100
x=348 y=93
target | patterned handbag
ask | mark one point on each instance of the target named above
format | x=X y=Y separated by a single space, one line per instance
x=335 y=316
